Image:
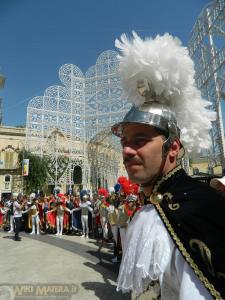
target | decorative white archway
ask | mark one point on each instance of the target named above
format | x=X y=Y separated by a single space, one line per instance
x=64 y=123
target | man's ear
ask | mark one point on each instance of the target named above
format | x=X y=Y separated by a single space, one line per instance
x=175 y=147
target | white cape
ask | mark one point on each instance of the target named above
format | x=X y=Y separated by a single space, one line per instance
x=150 y=254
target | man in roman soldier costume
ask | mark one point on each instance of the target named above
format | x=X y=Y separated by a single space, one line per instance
x=50 y=213
x=96 y=215
x=67 y=214
x=127 y=205
x=70 y=206
x=112 y=218
x=85 y=209
x=33 y=215
x=125 y=213
x=103 y=212
x=40 y=205
x=61 y=218
x=76 y=215
x=174 y=246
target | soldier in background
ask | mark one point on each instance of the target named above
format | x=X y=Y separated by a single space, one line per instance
x=112 y=219
x=70 y=206
x=60 y=210
x=85 y=208
x=33 y=215
x=96 y=216
x=125 y=213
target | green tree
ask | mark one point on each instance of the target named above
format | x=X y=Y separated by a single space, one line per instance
x=37 y=177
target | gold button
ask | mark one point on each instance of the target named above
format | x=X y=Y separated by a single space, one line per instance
x=156 y=198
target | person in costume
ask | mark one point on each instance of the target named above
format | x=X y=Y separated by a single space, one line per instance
x=174 y=246
x=44 y=208
x=112 y=218
x=61 y=210
x=70 y=206
x=76 y=216
x=96 y=216
x=51 y=215
x=33 y=215
x=85 y=209
x=103 y=212
x=127 y=207
x=40 y=205
x=67 y=214
x=125 y=213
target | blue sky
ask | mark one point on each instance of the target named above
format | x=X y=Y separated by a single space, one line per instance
x=38 y=36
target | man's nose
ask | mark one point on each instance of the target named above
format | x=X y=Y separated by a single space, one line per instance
x=128 y=150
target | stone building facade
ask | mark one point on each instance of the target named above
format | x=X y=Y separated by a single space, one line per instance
x=12 y=141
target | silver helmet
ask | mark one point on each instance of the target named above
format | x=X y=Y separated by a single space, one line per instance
x=131 y=198
x=152 y=113
x=86 y=197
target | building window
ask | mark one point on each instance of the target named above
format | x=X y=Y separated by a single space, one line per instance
x=8 y=182
x=9 y=159
x=7 y=178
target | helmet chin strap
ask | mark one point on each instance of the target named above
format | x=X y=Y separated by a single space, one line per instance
x=154 y=179
x=166 y=146
x=165 y=150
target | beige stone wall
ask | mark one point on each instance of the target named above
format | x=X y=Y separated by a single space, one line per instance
x=12 y=140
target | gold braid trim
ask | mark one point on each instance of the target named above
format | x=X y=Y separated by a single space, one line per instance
x=164 y=178
x=177 y=241
x=187 y=256
x=155 y=197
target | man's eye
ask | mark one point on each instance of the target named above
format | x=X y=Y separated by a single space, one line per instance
x=137 y=142
x=140 y=141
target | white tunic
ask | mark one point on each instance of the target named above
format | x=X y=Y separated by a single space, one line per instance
x=150 y=254
x=16 y=210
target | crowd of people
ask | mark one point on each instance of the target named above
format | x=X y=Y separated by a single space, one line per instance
x=103 y=215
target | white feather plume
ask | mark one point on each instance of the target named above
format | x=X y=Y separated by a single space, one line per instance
x=168 y=68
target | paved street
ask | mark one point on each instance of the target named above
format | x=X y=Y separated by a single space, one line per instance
x=51 y=267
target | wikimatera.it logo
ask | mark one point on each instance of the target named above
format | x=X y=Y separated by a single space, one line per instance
x=37 y=291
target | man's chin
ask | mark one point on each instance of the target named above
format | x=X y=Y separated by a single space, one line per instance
x=136 y=179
